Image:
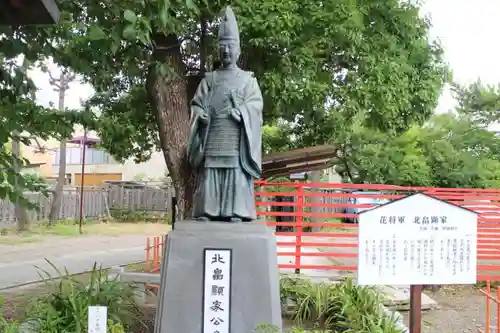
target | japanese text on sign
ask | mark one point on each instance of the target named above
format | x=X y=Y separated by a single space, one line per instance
x=421 y=241
x=98 y=319
x=217 y=290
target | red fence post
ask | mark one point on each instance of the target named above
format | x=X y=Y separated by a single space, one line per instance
x=298 y=227
x=155 y=253
x=488 y=307
x=148 y=249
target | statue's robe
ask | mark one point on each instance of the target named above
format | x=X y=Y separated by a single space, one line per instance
x=226 y=152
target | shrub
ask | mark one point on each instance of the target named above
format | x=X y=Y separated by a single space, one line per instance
x=341 y=308
x=7 y=325
x=65 y=308
x=131 y=216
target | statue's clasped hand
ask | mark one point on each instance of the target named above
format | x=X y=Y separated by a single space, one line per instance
x=236 y=114
x=204 y=117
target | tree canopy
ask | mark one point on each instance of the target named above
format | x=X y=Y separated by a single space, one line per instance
x=22 y=119
x=450 y=150
x=326 y=70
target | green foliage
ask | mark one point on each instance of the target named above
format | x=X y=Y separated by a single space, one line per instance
x=7 y=325
x=448 y=151
x=480 y=102
x=65 y=309
x=39 y=183
x=128 y=216
x=275 y=138
x=375 y=157
x=304 y=54
x=13 y=185
x=274 y=329
x=20 y=51
x=340 y=308
x=7 y=146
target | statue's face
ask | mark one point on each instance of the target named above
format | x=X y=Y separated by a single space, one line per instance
x=229 y=52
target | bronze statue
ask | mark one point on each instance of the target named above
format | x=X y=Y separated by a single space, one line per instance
x=226 y=131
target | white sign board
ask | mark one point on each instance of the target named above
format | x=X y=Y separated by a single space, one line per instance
x=98 y=319
x=417 y=240
x=298 y=176
x=217 y=290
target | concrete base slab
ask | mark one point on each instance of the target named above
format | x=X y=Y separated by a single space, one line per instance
x=319 y=275
x=255 y=297
x=398 y=298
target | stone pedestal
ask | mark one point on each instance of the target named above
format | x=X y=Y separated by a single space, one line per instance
x=255 y=298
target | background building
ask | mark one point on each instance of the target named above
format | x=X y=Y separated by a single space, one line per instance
x=99 y=165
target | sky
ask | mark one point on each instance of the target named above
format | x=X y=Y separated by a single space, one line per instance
x=467 y=30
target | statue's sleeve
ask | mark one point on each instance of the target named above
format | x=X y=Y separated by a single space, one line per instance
x=251 y=118
x=198 y=103
x=196 y=142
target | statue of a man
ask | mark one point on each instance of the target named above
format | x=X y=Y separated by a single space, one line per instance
x=226 y=132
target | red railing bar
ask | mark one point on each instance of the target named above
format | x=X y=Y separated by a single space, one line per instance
x=377 y=186
x=326 y=267
x=458 y=197
x=307 y=244
x=319 y=254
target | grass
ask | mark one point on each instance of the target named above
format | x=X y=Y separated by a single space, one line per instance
x=138 y=267
x=340 y=227
x=324 y=307
x=40 y=232
x=16 y=299
x=493 y=285
x=62 y=306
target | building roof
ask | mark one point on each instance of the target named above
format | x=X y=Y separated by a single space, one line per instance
x=24 y=12
x=409 y=196
x=298 y=160
x=34 y=165
x=84 y=139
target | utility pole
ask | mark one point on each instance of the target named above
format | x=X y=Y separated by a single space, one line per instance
x=61 y=85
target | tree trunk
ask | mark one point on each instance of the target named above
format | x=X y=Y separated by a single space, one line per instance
x=168 y=97
x=55 y=208
x=61 y=84
x=316 y=178
x=20 y=212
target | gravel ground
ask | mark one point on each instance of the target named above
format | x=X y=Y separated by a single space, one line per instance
x=460 y=309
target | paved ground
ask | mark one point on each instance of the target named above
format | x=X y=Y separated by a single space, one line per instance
x=17 y=263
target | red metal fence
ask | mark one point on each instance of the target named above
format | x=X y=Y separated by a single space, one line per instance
x=491 y=296
x=318 y=237
x=320 y=210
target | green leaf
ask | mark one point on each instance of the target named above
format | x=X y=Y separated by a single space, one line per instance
x=164 y=16
x=191 y=5
x=130 y=16
x=96 y=33
x=144 y=39
x=130 y=32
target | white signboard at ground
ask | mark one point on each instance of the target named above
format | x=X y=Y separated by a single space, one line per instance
x=417 y=240
x=98 y=319
x=217 y=291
